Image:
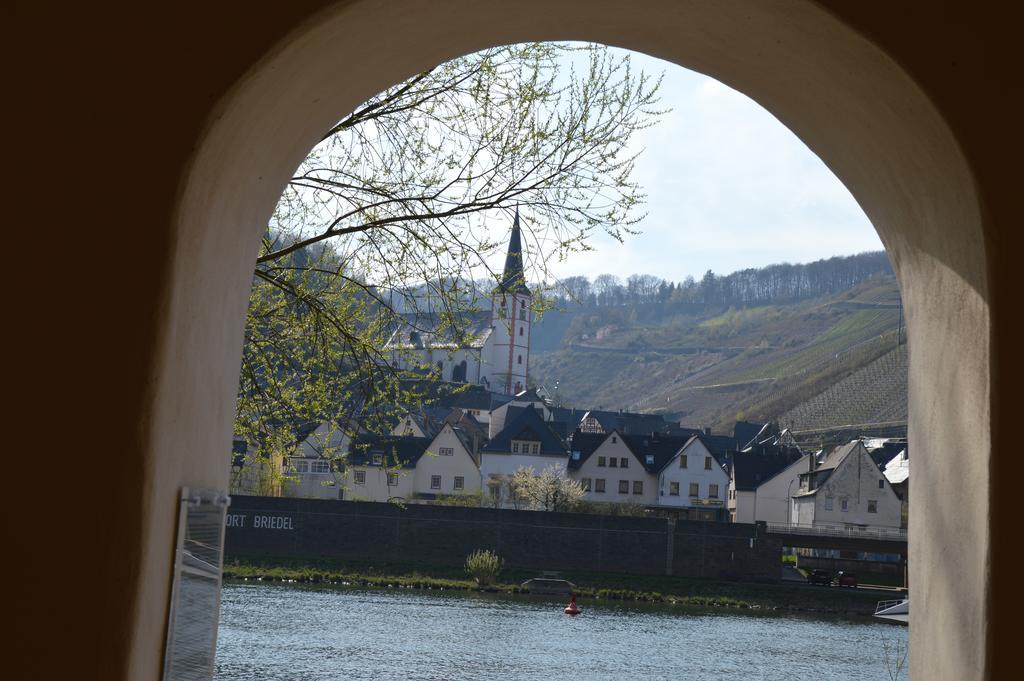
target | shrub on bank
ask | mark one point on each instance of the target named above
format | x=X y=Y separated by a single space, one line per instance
x=483 y=566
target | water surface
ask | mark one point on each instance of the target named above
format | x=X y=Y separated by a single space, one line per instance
x=273 y=632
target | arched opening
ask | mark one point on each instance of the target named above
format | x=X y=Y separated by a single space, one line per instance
x=851 y=104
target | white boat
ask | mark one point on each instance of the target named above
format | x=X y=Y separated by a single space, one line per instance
x=897 y=610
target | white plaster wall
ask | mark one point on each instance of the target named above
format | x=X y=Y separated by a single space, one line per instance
x=856 y=479
x=376 y=487
x=612 y=476
x=448 y=467
x=507 y=464
x=773 y=497
x=695 y=453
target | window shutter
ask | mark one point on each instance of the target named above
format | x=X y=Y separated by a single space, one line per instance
x=195 y=591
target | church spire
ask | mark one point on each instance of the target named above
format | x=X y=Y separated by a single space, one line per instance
x=513 y=279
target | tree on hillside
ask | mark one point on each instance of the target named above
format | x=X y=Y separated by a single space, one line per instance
x=386 y=221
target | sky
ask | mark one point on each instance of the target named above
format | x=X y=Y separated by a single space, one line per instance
x=729 y=187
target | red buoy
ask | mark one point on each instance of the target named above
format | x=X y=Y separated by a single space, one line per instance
x=572 y=608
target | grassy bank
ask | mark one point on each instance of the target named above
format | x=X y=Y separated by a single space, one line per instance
x=593 y=585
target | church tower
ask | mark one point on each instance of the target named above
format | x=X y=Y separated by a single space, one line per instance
x=508 y=355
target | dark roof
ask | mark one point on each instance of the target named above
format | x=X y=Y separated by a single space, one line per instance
x=529 y=396
x=584 y=444
x=752 y=467
x=659 y=447
x=397 y=451
x=629 y=423
x=513 y=278
x=473 y=397
x=745 y=431
x=430 y=419
x=528 y=424
x=719 y=445
x=466 y=422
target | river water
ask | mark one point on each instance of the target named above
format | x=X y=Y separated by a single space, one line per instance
x=272 y=632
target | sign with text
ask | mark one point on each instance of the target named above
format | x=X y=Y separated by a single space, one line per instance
x=259 y=521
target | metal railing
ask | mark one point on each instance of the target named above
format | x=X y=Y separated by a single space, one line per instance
x=845 y=531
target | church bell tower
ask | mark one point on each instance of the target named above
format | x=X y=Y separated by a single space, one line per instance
x=511 y=318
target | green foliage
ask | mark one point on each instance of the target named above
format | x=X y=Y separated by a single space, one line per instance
x=483 y=566
x=382 y=227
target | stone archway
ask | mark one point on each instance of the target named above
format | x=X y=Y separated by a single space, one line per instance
x=841 y=94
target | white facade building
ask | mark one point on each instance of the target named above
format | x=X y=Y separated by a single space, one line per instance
x=694 y=479
x=526 y=441
x=846 y=489
x=611 y=471
x=496 y=352
x=773 y=499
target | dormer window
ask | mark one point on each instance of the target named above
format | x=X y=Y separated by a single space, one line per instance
x=525 y=447
x=378 y=459
x=649 y=459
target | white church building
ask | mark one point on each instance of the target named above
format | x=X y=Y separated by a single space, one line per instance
x=495 y=353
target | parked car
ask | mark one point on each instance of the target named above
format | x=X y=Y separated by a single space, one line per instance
x=846 y=579
x=819 y=576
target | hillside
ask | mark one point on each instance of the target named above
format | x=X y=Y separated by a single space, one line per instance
x=709 y=365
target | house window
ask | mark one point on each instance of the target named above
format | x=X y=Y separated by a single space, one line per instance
x=435 y=482
x=707 y=463
x=623 y=486
x=600 y=462
x=359 y=477
x=623 y=462
x=881 y=484
x=319 y=466
x=460 y=482
x=446 y=451
x=522 y=304
x=872 y=506
x=673 y=489
x=599 y=485
x=844 y=505
x=378 y=459
x=535 y=449
x=613 y=462
x=638 y=487
x=682 y=460
x=614 y=439
x=520 y=360
x=828 y=503
x=300 y=466
x=712 y=491
x=520 y=331
x=392 y=479
x=515 y=447
x=694 y=489
x=585 y=484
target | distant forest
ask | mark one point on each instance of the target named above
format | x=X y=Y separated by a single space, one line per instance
x=765 y=285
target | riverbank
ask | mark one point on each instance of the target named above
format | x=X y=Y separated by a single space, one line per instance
x=785 y=597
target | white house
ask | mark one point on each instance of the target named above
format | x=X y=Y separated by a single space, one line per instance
x=773 y=498
x=525 y=441
x=612 y=470
x=750 y=469
x=847 y=488
x=694 y=479
x=447 y=467
x=382 y=468
x=313 y=470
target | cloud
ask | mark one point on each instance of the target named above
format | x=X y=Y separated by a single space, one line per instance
x=729 y=187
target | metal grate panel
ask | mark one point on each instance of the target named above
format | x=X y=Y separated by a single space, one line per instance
x=195 y=594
